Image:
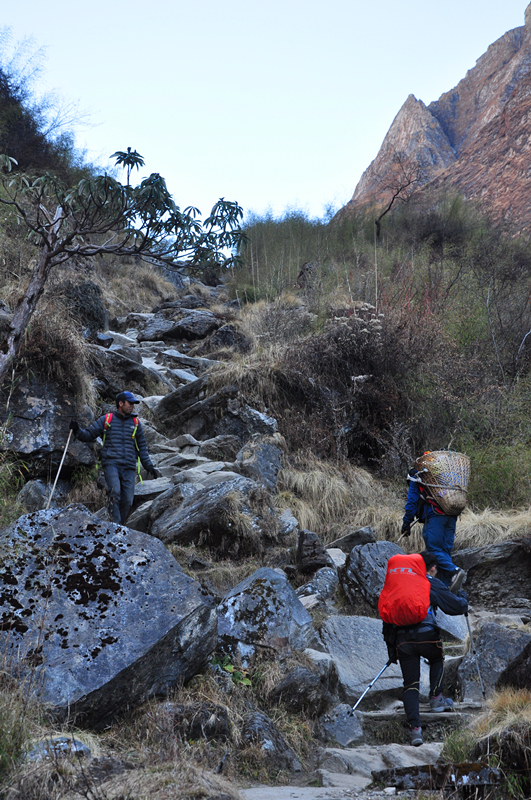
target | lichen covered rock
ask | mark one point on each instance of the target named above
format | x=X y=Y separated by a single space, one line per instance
x=95 y=617
x=263 y=612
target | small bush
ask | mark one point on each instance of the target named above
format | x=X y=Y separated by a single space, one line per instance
x=54 y=350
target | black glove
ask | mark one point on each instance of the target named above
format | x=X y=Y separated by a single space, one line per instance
x=392 y=653
x=406 y=529
x=74 y=426
x=154 y=473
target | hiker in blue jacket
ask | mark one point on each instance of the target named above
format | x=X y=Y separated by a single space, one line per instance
x=438 y=531
x=124 y=449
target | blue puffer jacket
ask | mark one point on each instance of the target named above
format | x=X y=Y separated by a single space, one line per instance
x=119 y=447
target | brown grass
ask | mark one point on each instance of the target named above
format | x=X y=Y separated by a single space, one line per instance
x=479 y=529
x=54 y=350
x=332 y=499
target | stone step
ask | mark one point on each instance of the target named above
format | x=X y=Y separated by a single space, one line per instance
x=396 y=711
x=302 y=793
x=295 y=793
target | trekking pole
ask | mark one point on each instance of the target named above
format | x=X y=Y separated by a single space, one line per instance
x=475 y=654
x=352 y=710
x=58 y=472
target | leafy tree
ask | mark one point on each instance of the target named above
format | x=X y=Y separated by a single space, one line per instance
x=101 y=215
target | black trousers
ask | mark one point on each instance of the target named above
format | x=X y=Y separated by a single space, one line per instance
x=426 y=645
x=121 y=485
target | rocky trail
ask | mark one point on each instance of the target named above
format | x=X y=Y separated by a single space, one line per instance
x=219 y=460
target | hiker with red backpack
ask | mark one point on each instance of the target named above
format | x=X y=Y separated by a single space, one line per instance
x=408 y=606
x=438 y=531
x=124 y=449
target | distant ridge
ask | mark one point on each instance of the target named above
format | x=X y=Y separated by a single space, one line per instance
x=475 y=139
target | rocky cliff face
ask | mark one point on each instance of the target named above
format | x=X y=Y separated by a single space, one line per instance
x=474 y=139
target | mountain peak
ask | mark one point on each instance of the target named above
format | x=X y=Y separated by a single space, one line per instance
x=474 y=139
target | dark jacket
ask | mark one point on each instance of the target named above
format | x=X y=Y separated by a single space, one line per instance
x=119 y=447
x=441 y=597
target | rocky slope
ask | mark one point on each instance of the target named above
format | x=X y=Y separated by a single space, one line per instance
x=474 y=139
x=97 y=617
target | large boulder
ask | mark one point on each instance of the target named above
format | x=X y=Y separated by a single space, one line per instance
x=364 y=572
x=235 y=516
x=341 y=727
x=243 y=421
x=179 y=324
x=95 y=617
x=263 y=613
x=261 y=460
x=366 y=761
x=496 y=646
x=349 y=540
x=35 y=494
x=453 y=629
x=36 y=423
x=112 y=371
x=324 y=584
x=191 y=410
x=227 y=338
x=517 y=673
x=499 y=575
x=359 y=652
x=303 y=690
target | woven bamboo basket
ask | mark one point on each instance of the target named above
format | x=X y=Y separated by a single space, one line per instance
x=446 y=476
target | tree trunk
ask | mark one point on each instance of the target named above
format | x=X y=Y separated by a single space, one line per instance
x=24 y=311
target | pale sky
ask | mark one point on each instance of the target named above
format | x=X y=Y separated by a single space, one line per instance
x=271 y=103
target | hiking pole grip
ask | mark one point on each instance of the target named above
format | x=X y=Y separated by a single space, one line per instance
x=58 y=471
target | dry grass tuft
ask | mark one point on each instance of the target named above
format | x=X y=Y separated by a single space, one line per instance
x=132 y=285
x=179 y=781
x=487 y=527
x=258 y=376
x=219 y=578
x=54 y=350
x=508 y=709
x=284 y=320
x=333 y=498
x=72 y=779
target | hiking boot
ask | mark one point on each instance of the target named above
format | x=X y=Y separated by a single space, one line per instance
x=457 y=581
x=415 y=737
x=441 y=703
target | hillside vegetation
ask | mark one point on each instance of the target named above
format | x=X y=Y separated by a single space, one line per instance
x=381 y=350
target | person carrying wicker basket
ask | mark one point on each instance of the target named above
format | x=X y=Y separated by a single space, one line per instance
x=436 y=496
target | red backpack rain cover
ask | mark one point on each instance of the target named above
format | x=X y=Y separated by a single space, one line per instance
x=405 y=597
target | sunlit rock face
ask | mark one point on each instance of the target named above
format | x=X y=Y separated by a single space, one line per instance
x=474 y=139
x=95 y=617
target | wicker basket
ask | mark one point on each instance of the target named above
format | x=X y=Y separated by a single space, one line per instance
x=446 y=476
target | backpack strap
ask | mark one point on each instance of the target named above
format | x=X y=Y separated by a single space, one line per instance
x=429 y=500
x=138 y=462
